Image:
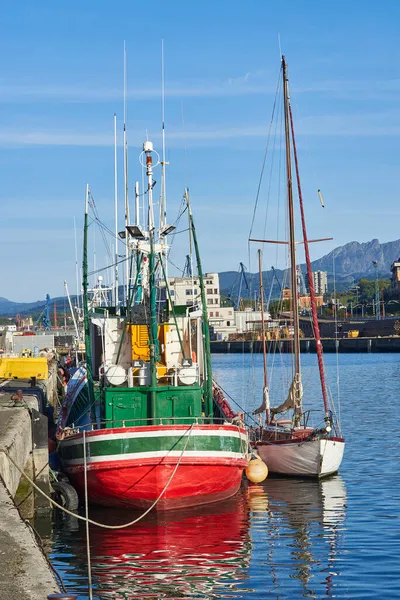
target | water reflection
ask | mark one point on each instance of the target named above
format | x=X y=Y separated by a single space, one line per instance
x=280 y=539
x=200 y=553
x=304 y=521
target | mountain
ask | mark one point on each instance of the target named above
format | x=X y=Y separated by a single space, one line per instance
x=347 y=264
x=352 y=261
x=12 y=308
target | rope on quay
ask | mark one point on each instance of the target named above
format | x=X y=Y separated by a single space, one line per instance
x=103 y=525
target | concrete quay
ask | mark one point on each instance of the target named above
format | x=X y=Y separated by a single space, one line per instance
x=25 y=573
x=360 y=344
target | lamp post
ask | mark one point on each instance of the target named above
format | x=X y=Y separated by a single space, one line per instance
x=377 y=298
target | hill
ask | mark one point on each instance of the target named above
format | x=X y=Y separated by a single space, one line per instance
x=350 y=263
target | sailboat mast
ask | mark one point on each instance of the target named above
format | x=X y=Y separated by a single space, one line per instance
x=292 y=240
x=309 y=274
x=263 y=331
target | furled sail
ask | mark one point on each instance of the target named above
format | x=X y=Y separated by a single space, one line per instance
x=265 y=405
x=294 y=397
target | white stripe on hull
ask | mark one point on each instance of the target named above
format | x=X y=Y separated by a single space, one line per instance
x=315 y=458
x=157 y=454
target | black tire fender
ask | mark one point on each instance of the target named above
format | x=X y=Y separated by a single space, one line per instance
x=66 y=494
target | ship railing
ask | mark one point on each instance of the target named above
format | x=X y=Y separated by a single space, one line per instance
x=116 y=423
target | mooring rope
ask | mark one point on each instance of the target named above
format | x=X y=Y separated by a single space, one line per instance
x=89 y=562
x=103 y=525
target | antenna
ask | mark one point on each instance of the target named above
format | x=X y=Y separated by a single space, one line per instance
x=137 y=208
x=78 y=287
x=163 y=202
x=279 y=44
x=116 y=299
x=126 y=185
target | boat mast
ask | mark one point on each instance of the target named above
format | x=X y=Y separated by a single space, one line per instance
x=309 y=275
x=153 y=329
x=116 y=297
x=126 y=188
x=78 y=287
x=265 y=390
x=85 y=286
x=292 y=248
x=208 y=385
x=163 y=200
x=163 y=193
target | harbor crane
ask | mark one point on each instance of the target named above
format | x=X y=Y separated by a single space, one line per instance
x=187 y=269
x=44 y=316
x=242 y=278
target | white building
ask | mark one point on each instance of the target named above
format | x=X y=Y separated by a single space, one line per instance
x=186 y=291
x=8 y=327
x=245 y=319
x=320 y=279
x=224 y=320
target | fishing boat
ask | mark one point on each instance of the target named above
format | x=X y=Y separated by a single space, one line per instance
x=139 y=426
x=292 y=446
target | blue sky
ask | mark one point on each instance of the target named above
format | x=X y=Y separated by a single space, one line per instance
x=61 y=80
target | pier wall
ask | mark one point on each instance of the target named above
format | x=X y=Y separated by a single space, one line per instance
x=377 y=344
x=25 y=573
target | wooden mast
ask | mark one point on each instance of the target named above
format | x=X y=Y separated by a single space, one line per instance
x=292 y=248
x=310 y=277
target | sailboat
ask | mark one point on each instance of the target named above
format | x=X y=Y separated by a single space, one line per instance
x=139 y=423
x=290 y=446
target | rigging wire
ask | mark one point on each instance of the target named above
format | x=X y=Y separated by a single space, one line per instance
x=265 y=154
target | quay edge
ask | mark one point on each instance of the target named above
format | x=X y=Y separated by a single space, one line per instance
x=342 y=345
x=25 y=573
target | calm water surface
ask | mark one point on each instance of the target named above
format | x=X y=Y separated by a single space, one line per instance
x=286 y=538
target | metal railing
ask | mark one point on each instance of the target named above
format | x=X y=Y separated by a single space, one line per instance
x=113 y=423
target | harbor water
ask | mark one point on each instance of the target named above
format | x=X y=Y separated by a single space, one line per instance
x=283 y=539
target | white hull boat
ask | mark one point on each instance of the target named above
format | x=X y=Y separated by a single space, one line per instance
x=312 y=458
x=290 y=446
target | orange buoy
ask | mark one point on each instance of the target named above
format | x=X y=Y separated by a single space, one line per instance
x=257 y=470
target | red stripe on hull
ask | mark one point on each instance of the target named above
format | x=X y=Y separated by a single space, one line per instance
x=131 y=484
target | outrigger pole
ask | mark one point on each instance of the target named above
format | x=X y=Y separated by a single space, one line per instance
x=208 y=385
x=88 y=346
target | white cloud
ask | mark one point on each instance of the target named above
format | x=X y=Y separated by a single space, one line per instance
x=249 y=83
x=353 y=125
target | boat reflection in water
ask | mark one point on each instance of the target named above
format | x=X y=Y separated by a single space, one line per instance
x=303 y=534
x=288 y=530
x=202 y=552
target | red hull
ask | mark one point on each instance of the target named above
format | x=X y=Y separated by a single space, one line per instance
x=137 y=484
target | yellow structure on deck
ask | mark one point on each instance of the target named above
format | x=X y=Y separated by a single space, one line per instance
x=16 y=367
x=353 y=333
x=141 y=348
